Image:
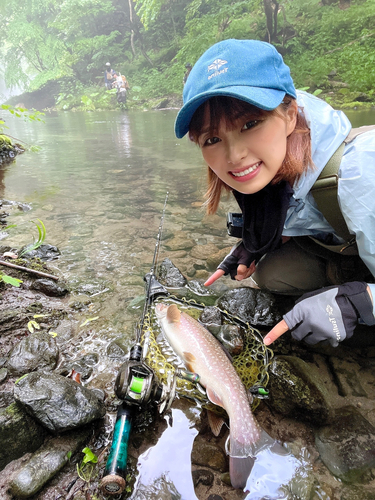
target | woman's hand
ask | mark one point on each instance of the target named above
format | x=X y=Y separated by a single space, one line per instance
x=238 y=263
x=329 y=314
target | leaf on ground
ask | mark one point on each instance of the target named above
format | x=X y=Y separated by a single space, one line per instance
x=31 y=325
x=88 y=320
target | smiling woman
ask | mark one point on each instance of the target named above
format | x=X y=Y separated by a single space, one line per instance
x=249 y=153
x=268 y=143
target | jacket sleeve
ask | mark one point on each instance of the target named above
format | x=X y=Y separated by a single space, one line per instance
x=356 y=194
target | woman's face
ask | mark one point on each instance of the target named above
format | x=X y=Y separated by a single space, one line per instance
x=248 y=155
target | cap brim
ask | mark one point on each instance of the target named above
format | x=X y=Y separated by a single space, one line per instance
x=263 y=98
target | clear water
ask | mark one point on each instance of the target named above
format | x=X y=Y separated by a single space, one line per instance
x=99 y=185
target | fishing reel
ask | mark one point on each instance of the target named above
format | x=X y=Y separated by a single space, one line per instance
x=136 y=383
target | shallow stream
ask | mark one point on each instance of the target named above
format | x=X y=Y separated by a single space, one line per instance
x=98 y=184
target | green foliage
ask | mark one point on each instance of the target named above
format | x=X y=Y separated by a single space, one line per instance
x=28 y=116
x=150 y=41
x=9 y=280
x=86 y=468
x=41 y=237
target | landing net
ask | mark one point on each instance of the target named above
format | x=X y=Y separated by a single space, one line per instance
x=251 y=364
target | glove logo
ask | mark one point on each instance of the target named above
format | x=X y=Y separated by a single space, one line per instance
x=332 y=320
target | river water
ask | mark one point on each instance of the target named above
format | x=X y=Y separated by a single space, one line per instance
x=98 y=184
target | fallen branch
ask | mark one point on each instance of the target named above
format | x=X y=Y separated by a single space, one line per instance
x=21 y=268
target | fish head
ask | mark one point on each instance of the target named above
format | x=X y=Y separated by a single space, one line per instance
x=161 y=310
x=169 y=312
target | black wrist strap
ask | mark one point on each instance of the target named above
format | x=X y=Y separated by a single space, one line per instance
x=361 y=300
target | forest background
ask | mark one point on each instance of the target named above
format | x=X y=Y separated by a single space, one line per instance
x=58 y=48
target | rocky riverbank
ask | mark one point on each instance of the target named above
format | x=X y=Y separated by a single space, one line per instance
x=54 y=404
x=8 y=150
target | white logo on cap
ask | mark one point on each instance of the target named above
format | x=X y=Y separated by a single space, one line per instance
x=215 y=66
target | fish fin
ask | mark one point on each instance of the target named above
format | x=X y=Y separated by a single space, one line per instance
x=250 y=397
x=173 y=314
x=216 y=422
x=239 y=470
x=214 y=398
x=189 y=359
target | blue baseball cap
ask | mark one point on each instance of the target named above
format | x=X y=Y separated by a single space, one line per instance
x=249 y=70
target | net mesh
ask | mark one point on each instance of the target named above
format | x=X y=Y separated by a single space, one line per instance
x=251 y=364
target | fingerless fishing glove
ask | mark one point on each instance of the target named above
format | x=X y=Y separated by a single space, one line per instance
x=331 y=313
x=238 y=255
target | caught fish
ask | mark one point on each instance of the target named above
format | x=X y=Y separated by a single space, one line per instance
x=204 y=355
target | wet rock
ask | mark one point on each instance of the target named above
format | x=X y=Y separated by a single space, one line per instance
x=79 y=302
x=65 y=330
x=355 y=493
x=49 y=287
x=75 y=370
x=37 y=351
x=199 y=265
x=202 y=274
x=90 y=359
x=201 y=252
x=215 y=259
x=162 y=104
x=117 y=349
x=19 y=434
x=56 y=402
x=3 y=374
x=230 y=337
x=11 y=320
x=257 y=307
x=207 y=454
x=44 y=252
x=348 y=377
x=81 y=366
x=170 y=275
x=199 y=289
x=46 y=462
x=179 y=242
x=347 y=446
x=191 y=271
x=297 y=390
x=6 y=393
x=362 y=97
x=202 y=476
x=211 y=319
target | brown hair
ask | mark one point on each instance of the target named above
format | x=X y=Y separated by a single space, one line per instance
x=228 y=110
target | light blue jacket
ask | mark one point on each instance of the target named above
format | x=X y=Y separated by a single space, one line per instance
x=356 y=185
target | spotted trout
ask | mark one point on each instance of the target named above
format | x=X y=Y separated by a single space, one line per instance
x=204 y=355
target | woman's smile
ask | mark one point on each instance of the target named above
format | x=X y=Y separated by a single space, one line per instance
x=247 y=155
x=244 y=174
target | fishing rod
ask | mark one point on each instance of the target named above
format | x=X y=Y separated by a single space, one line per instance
x=136 y=385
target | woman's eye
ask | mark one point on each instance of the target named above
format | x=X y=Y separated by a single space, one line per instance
x=250 y=124
x=210 y=141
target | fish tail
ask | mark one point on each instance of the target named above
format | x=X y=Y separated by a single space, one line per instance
x=242 y=454
x=239 y=470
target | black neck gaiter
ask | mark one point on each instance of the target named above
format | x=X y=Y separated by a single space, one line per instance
x=264 y=215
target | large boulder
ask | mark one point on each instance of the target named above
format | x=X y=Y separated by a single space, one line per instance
x=56 y=402
x=257 y=307
x=37 y=351
x=19 y=434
